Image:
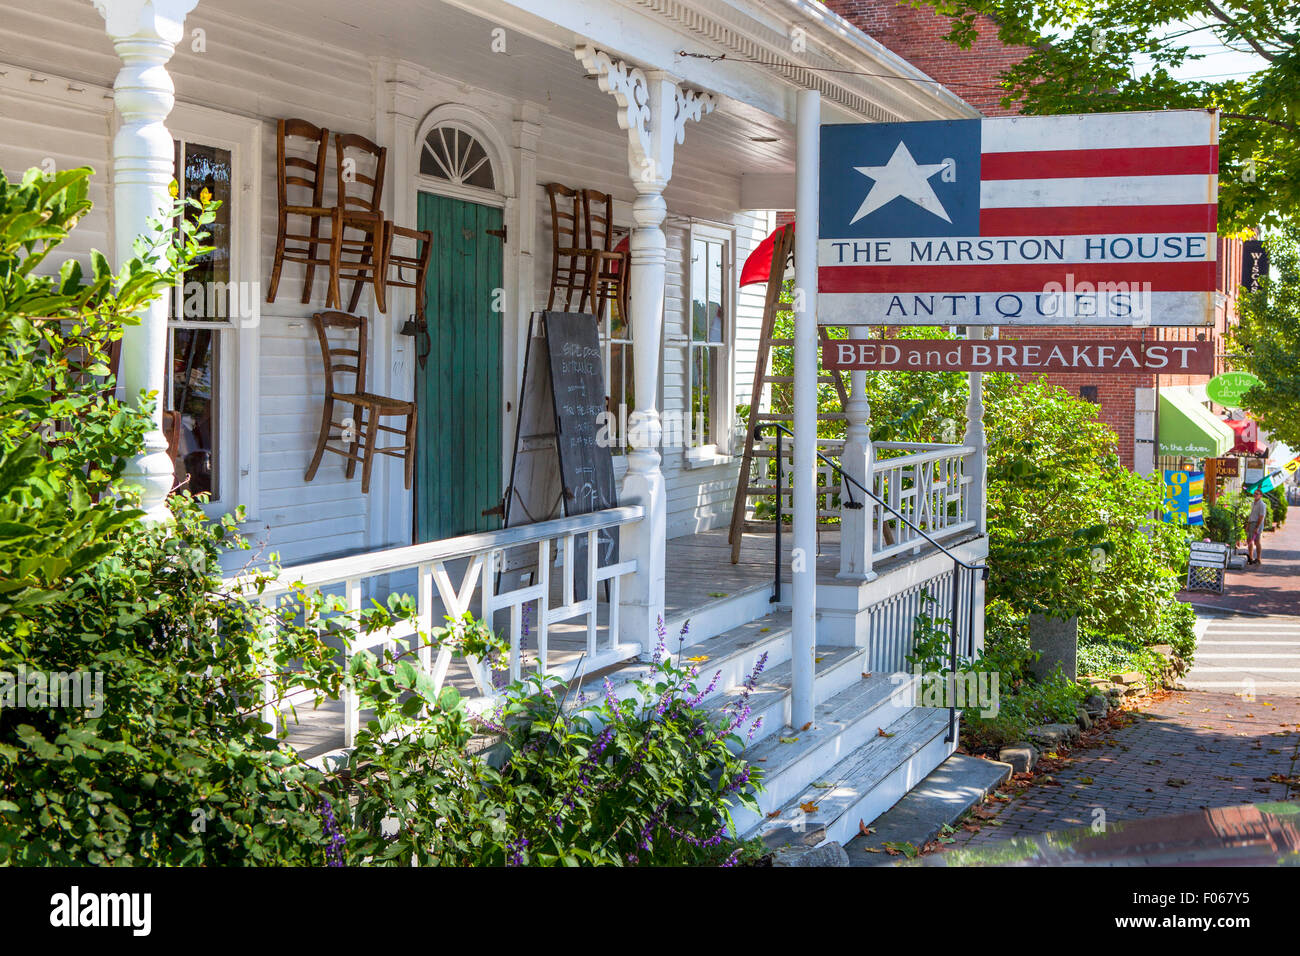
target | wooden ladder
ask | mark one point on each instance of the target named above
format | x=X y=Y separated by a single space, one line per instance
x=747 y=486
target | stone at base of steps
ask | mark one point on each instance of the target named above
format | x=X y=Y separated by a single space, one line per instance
x=949 y=791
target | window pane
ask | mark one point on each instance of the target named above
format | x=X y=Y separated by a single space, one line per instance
x=206 y=175
x=701 y=395
x=191 y=419
x=716 y=300
x=699 y=291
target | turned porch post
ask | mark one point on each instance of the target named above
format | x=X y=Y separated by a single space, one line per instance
x=975 y=437
x=144 y=34
x=856 y=460
x=653 y=109
x=803 y=566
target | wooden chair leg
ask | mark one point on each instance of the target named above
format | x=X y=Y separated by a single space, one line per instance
x=379 y=270
x=357 y=425
x=279 y=259
x=309 y=280
x=368 y=456
x=410 y=447
x=327 y=417
x=356 y=286
x=333 y=298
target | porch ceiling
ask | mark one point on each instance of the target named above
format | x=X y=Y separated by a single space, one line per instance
x=457 y=44
x=451 y=38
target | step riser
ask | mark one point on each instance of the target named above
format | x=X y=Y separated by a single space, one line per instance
x=890 y=790
x=719 y=616
x=783 y=786
x=776 y=715
x=734 y=670
x=740 y=666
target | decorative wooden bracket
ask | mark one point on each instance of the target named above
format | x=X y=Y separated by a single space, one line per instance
x=645 y=100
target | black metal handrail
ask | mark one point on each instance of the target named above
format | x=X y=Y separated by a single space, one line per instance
x=958 y=564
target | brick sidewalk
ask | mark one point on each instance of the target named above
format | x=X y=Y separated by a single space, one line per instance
x=1271 y=588
x=1189 y=750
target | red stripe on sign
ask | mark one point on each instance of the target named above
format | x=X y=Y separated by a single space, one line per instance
x=1016 y=277
x=1098 y=220
x=1074 y=163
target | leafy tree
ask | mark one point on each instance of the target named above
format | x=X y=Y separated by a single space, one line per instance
x=1070 y=528
x=1081 y=60
x=1266 y=340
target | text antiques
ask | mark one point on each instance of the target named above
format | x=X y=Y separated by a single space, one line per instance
x=1103 y=219
x=1166 y=358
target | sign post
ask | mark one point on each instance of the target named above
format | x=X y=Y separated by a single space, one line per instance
x=803 y=564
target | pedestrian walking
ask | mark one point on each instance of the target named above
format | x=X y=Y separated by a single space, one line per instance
x=1255 y=528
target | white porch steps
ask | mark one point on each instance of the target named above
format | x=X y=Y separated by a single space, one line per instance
x=858 y=771
x=863 y=785
x=720 y=615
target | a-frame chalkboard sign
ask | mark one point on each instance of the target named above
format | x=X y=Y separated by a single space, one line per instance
x=558 y=462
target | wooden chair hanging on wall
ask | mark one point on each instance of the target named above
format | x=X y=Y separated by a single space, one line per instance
x=358 y=252
x=357 y=441
x=586 y=271
x=300 y=189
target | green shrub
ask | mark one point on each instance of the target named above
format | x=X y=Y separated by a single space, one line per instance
x=1177 y=629
x=1104 y=655
x=1277 y=506
x=164 y=758
x=1022 y=702
x=1223 y=524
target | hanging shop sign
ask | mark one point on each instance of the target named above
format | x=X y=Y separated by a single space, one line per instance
x=1254 y=264
x=1184 y=496
x=1104 y=219
x=1229 y=467
x=1227 y=389
x=946 y=355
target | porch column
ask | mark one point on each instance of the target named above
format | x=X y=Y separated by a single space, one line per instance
x=144 y=34
x=803 y=566
x=653 y=109
x=856 y=460
x=975 y=437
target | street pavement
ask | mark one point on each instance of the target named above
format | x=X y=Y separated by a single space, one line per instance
x=1272 y=587
x=1241 y=653
x=1187 y=751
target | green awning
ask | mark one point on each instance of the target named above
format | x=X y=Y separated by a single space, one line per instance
x=1190 y=430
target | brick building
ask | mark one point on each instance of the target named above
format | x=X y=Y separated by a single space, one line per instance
x=1129 y=403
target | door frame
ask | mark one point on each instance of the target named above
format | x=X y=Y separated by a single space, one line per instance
x=505 y=197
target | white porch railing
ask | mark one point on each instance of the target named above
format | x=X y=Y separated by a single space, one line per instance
x=473 y=562
x=930 y=486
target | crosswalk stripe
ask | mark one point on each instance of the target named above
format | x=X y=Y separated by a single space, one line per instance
x=1241 y=643
x=1261 y=670
x=1250 y=657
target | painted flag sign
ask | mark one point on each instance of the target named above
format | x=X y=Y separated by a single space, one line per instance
x=1105 y=219
x=1275 y=477
x=1184 y=496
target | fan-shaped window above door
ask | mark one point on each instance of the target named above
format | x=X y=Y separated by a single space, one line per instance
x=452 y=154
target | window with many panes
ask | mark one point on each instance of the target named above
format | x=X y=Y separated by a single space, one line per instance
x=200 y=319
x=708 y=339
x=210 y=395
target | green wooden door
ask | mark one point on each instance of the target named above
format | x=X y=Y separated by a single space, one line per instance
x=458 y=469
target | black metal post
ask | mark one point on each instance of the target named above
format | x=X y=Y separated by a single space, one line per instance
x=776 y=590
x=952 y=663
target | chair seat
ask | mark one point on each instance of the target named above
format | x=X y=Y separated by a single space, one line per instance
x=395 y=406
